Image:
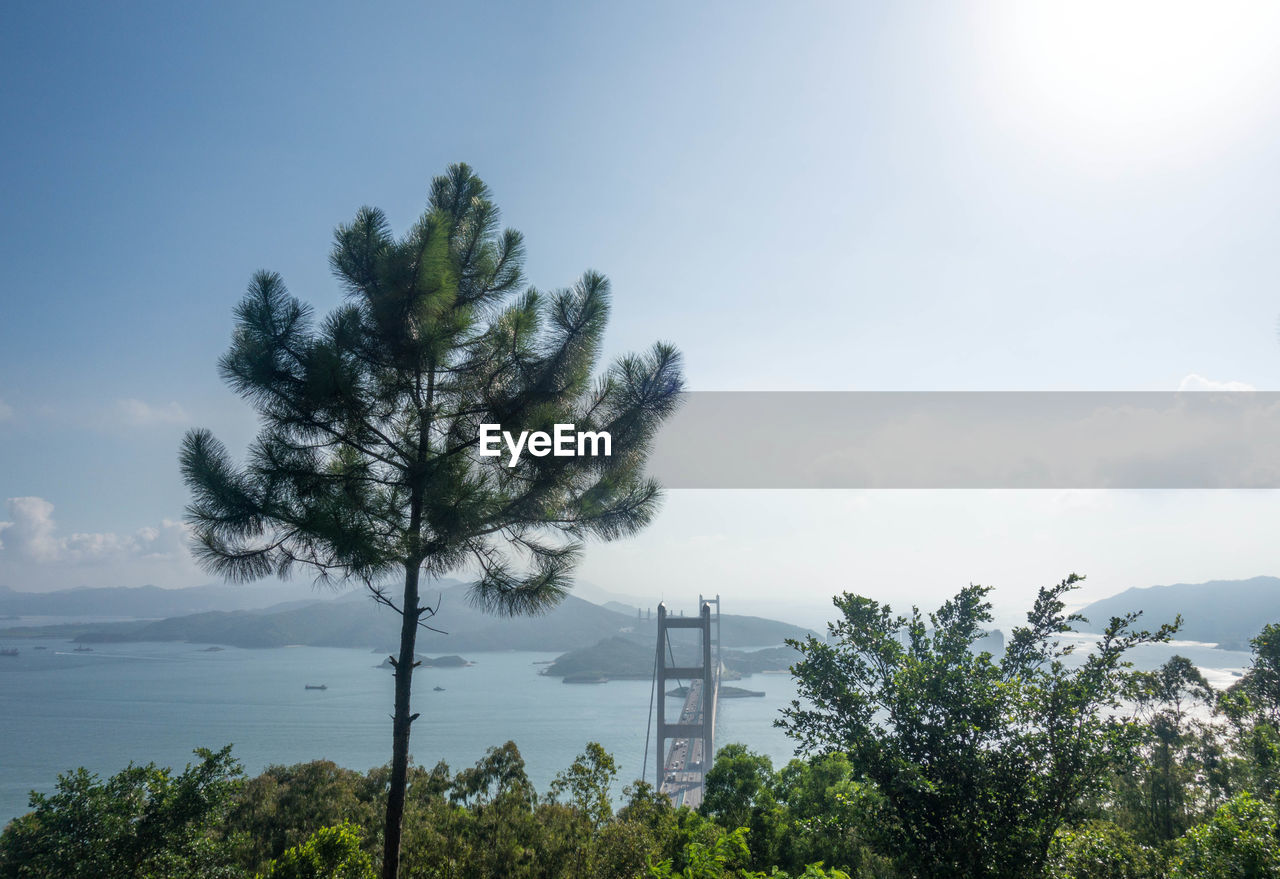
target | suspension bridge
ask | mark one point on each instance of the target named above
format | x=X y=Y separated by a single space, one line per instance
x=686 y=744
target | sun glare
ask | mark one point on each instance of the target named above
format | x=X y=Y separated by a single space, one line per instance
x=1134 y=76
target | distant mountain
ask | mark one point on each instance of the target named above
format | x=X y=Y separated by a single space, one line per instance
x=1225 y=612
x=737 y=630
x=619 y=607
x=152 y=602
x=360 y=622
x=354 y=620
x=589 y=591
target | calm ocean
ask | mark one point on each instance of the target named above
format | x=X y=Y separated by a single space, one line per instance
x=155 y=702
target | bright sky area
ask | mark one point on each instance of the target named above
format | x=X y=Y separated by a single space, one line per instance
x=885 y=196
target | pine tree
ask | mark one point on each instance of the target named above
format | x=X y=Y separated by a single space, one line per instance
x=368 y=463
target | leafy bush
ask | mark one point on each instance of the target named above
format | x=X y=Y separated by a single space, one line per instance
x=143 y=822
x=330 y=853
x=1238 y=842
x=1099 y=850
x=978 y=761
x=724 y=857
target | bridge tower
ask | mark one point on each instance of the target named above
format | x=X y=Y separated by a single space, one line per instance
x=682 y=772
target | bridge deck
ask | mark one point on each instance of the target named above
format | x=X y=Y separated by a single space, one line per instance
x=682 y=770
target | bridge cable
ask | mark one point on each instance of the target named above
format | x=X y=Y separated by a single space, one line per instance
x=648 y=727
x=672 y=654
x=653 y=686
x=681 y=684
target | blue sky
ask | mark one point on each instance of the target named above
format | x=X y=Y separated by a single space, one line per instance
x=810 y=196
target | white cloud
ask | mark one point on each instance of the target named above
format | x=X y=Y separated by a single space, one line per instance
x=29 y=533
x=32 y=536
x=1195 y=382
x=137 y=413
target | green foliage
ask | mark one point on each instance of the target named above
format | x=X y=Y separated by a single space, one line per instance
x=1166 y=764
x=1258 y=747
x=368 y=464
x=499 y=775
x=1238 y=842
x=282 y=807
x=738 y=786
x=1252 y=708
x=483 y=822
x=824 y=814
x=330 y=853
x=142 y=822
x=810 y=812
x=978 y=762
x=587 y=783
x=646 y=827
x=1099 y=850
x=724 y=857
x=1180 y=772
x=506 y=833
x=1257 y=693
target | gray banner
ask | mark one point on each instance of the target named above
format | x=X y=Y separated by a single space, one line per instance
x=971 y=440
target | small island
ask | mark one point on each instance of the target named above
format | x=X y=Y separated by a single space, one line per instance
x=726 y=692
x=629 y=658
x=450 y=661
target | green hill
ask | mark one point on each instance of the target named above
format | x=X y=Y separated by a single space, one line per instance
x=615 y=657
x=627 y=656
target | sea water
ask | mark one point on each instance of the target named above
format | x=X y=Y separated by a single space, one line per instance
x=146 y=702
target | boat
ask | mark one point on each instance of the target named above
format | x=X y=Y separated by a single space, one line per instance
x=316 y=687
x=8 y=651
x=84 y=650
x=41 y=647
x=438 y=689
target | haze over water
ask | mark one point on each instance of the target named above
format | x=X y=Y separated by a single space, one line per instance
x=157 y=701
x=144 y=702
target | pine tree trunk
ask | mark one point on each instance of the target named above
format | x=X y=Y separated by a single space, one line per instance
x=401 y=722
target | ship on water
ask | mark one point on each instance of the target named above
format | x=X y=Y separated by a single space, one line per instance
x=8 y=651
